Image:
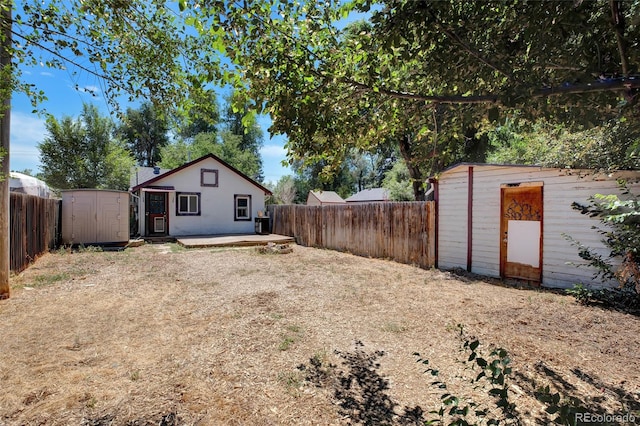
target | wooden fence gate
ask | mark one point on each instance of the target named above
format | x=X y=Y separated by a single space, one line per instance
x=402 y=231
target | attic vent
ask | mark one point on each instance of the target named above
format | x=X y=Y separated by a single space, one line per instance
x=156 y=170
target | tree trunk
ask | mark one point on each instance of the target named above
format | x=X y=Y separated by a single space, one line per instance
x=414 y=171
x=5 y=112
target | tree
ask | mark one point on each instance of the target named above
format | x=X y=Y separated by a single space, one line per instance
x=28 y=172
x=613 y=146
x=6 y=88
x=320 y=176
x=226 y=146
x=204 y=117
x=398 y=182
x=241 y=123
x=284 y=191
x=145 y=132
x=236 y=139
x=430 y=75
x=82 y=153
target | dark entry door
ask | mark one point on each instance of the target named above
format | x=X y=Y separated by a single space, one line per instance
x=521 y=232
x=156 y=213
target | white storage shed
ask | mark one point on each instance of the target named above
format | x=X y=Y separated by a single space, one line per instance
x=509 y=221
x=95 y=216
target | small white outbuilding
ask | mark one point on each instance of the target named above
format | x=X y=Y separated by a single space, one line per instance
x=510 y=221
x=95 y=216
x=25 y=184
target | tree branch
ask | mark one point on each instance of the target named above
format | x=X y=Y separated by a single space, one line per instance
x=67 y=60
x=452 y=35
x=617 y=18
x=605 y=86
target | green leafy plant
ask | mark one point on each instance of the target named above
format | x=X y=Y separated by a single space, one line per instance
x=89 y=249
x=491 y=373
x=362 y=393
x=565 y=408
x=620 y=230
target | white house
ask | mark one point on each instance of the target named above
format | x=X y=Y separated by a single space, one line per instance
x=203 y=197
x=511 y=221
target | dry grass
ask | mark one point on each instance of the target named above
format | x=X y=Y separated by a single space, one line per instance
x=160 y=336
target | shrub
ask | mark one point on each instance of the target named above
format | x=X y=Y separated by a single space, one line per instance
x=620 y=229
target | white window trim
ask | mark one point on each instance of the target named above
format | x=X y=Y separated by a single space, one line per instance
x=248 y=207
x=187 y=195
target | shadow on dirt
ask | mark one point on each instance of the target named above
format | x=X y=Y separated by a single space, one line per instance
x=360 y=391
x=170 y=419
x=362 y=394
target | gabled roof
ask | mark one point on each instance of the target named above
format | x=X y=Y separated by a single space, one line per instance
x=326 y=196
x=194 y=162
x=140 y=174
x=369 y=195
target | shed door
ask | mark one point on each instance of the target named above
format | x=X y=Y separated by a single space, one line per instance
x=156 y=206
x=521 y=231
x=84 y=225
x=112 y=223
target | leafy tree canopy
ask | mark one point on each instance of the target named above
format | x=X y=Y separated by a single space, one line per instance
x=240 y=122
x=82 y=153
x=145 y=132
x=430 y=75
x=398 y=182
x=235 y=137
x=284 y=191
x=139 y=50
x=612 y=146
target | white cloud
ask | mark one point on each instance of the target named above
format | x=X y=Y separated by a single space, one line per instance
x=273 y=151
x=27 y=131
x=89 y=89
x=46 y=74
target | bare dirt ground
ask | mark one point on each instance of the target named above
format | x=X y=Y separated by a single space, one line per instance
x=161 y=335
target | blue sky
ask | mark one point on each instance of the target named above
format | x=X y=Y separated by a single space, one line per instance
x=66 y=93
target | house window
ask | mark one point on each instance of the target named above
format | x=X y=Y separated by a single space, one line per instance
x=187 y=204
x=243 y=207
x=208 y=177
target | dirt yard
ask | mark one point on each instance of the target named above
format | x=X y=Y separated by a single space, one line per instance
x=161 y=335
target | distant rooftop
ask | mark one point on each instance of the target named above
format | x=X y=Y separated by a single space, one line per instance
x=369 y=195
x=141 y=174
x=326 y=197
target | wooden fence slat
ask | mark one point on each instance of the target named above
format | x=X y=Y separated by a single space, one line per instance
x=403 y=231
x=33 y=228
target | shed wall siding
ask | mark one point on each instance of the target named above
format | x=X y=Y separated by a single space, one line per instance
x=560 y=189
x=217 y=204
x=313 y=201
x=95 y=216
x=452 y=221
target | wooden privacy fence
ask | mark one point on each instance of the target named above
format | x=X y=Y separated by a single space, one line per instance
x=404 y=232
x=34 y=227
